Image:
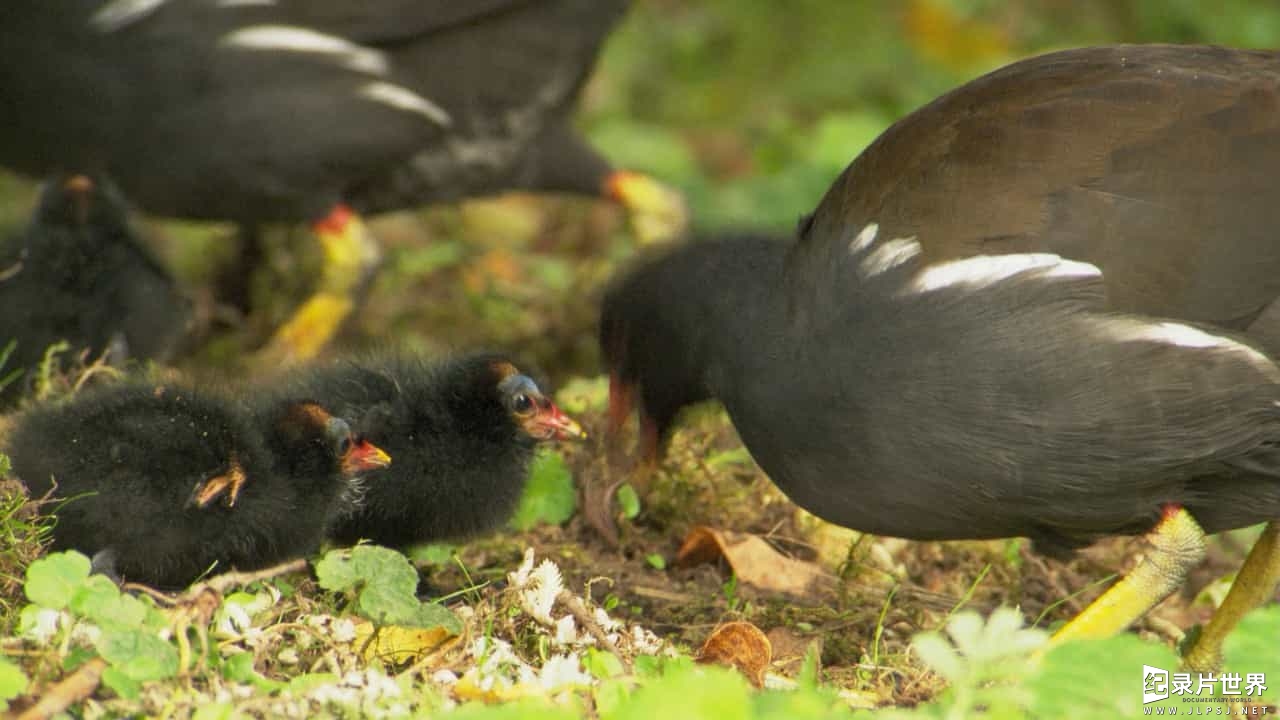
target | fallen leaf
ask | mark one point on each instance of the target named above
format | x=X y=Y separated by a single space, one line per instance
x=752 y=559
x=398 y=645
x=739 y=645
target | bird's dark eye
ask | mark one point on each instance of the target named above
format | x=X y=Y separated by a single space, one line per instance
x=344 y=445
x=522 y=404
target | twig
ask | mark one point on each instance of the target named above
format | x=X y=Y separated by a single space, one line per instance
x=226 y=581
x=579 y=610
x=70 y=690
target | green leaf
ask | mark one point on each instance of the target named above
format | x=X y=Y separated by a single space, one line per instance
x=54 y=578
x=239 y=668
x=307 y=682
x=550 y=496
x=138 y=654
x=13 y=682
x=701 y=692
x=5 y=466
x=656 y=561
x=433 y=553
x=120 y=682
x=99 y=600
x=386 y=586
x=519 y=710
x=602 y=664
x=1097 y=678
x=215 y=711
x=736 y=456
x=628 y=501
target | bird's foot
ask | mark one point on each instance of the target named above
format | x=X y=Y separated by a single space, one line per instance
x=351 y=257
x=226 y=486
x=655 y=212
x=1177 y=545
x=1253 y=585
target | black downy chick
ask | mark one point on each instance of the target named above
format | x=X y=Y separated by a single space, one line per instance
x=77 y=273
x=462 y=433
x=163 y=484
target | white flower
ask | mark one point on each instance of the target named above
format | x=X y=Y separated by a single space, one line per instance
x=344 y=631
x=563 y=671
x=566 y=631
x=444 y=677
x=538 y=596
x=41 y=625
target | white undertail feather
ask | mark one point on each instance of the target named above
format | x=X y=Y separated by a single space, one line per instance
x=1173 y=333
x=889 y=255
x=118 y=13
x=402 y=98
x=287 y=38
x=864 y=239
x=986 y=270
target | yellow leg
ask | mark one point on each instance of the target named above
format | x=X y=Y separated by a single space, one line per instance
x=350 y=258
x=1177 y=546
x=655 y=212
x=1253 y=586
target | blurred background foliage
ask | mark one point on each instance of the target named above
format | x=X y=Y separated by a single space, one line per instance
x=749 y=107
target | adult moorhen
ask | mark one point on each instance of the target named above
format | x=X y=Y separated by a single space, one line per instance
x=78 y=273
x=985 y=409
x=298 y=110
x=162 y=484
x=462 y=432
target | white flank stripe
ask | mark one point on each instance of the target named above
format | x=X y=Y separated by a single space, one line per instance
x=984 y=270
x=864 y=239
x=889 y=255
x=1172 y=333
x=118 y=13
x=285 y=38
x=404 y=99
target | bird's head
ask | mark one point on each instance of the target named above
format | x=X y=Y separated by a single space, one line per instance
x=82 y=200
x=672 y=322
x=312 y=443
x=530 y=410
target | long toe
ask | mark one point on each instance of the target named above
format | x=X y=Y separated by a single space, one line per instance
x=1253 y=585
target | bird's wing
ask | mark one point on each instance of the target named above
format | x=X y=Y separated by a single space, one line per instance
x=1155 y=163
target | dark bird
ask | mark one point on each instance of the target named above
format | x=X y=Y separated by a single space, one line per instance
x=78 y=274
x=462 y=432
x=161 y=484
x=1011 y=405
x=303 y=111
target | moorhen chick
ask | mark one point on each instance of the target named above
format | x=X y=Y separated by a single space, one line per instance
x=161 y=484
x=306 y=110
x=462 y=432
x=78 y=273
x=1153 y=163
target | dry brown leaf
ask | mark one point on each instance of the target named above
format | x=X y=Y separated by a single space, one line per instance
x=739 y=645
x=752 y=559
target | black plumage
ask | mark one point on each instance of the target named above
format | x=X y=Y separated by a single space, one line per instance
x=996 y=402
x=991 y=406
x=301 y=111
x=160 y=484
x=462 y=432
x=77 y=273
